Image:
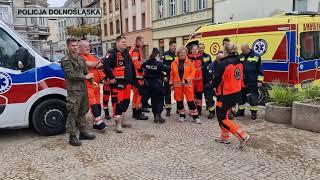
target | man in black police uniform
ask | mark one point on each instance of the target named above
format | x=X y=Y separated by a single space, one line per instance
x=167 y=58
x=253 y=78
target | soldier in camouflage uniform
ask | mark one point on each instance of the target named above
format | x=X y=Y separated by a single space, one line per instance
x=76 y=73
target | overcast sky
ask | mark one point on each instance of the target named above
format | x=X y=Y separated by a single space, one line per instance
x=56 y=3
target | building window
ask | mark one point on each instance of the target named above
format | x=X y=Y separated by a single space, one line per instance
x=104 y=8
x=117 y=26
x=127 y=25
x=202 y=4
x=185 y=6
x=301 y=5
x=41 y=22
x=117 y=5
x=143 y=20
x=161 y=46
x=160 y=9
x=111 y=28
x=105 y=29
x=110 y=6
x=134 y=23
x=4 y=16
x=172 y=8
x=34 y=21
x=185 y=39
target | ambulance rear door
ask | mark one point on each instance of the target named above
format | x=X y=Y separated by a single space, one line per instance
x=309 y=39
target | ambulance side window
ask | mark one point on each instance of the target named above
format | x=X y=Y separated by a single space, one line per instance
x=310 y=45
x=12 y=55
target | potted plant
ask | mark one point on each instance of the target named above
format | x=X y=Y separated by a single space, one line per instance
x=306 y=113
x=279 y=110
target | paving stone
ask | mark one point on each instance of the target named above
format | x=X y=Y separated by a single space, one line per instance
x=170 y=151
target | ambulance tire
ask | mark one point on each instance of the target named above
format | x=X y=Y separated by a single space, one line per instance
x=49 y=117
x=263 y=95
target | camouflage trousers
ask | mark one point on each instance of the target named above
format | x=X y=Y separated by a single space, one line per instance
x=77 y=106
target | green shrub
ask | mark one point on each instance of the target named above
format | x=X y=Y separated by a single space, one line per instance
x=311 y=92
x=284 y=95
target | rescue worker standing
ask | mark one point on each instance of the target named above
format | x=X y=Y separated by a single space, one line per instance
x=253 y=78
x=120 y=70
x=76 y=73
x=208 y=92
x=154 y=73
x=167 y=58
x=228 y=82
x=93 y=87
x=136 y=55
x=197 y=60
x=181 y=78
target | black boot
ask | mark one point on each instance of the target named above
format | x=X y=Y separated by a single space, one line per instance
x=156 y=118
x=253 y=115
x=74 y=141
x=140 y=115
x=161 y=120
x=106 y=114
x=134 y=113
x=86 y=136
x=211 y=114
x=199 y=108
x=239 y=113
x=168 y=113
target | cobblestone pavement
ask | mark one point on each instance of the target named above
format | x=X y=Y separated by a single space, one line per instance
x=170 y=151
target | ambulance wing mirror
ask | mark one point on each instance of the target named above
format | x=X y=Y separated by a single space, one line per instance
x=20 y=57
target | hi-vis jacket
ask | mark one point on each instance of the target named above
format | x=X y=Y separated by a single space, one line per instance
x=188 y=73
x=252 y=69
x=228 y=76
x=197 y=60
x=136 y=56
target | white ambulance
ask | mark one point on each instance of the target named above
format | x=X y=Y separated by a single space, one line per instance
x=32 y=89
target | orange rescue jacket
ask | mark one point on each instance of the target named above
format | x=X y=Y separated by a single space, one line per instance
x=188 y=74
x=136 y=56
x=98 y=74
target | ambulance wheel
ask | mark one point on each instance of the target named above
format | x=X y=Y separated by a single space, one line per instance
x=262 y=95
x=49 y=117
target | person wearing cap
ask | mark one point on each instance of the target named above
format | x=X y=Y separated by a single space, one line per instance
x=154 y=76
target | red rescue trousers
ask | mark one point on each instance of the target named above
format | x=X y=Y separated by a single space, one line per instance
x=121 y=98
x=227 y=126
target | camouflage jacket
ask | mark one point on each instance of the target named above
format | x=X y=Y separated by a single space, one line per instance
x=75 y=71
